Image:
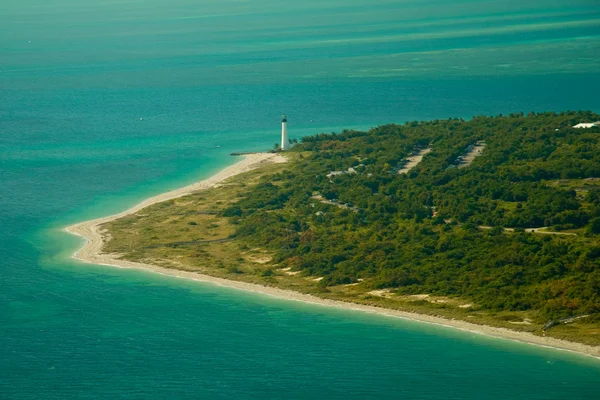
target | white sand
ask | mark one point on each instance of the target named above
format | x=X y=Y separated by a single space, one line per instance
x=413 y=161
x=91 y=253
x=472 y=155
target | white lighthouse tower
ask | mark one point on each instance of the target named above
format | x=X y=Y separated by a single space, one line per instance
x=285 y=143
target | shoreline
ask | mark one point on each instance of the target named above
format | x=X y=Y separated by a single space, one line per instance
x=91 y=253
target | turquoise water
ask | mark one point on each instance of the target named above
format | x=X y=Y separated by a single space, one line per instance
x=77 y=76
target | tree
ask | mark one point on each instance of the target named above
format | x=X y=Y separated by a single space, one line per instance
x=594 y=225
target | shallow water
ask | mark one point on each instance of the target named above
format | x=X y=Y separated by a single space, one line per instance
x=113 y=102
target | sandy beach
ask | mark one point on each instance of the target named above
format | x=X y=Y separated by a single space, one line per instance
x=91 y=252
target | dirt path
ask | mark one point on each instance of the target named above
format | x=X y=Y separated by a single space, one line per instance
x=323 y=200
x=533 y=230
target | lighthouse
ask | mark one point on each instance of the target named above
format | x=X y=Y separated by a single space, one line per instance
x=285 y=144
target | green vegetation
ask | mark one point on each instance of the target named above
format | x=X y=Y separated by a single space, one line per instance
x=432 y=240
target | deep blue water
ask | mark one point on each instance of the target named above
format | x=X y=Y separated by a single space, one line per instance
x=77 y=76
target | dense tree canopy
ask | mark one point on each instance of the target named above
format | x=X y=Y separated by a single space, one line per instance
x=439 y=229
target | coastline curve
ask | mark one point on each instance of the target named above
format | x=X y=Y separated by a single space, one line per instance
x=91 y=253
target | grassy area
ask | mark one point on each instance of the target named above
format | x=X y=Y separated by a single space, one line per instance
x=189 y=234
x=577 y=184
x=580 y=186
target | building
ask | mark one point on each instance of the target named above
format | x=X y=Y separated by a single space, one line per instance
x=587 y=124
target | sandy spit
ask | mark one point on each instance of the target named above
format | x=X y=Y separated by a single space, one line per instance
x=91 y=253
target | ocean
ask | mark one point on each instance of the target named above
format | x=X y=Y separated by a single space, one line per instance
x=105 y=103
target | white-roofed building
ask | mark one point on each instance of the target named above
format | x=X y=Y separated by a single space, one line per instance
x=587 y=124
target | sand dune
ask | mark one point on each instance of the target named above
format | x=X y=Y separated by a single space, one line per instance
x=413 y=161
